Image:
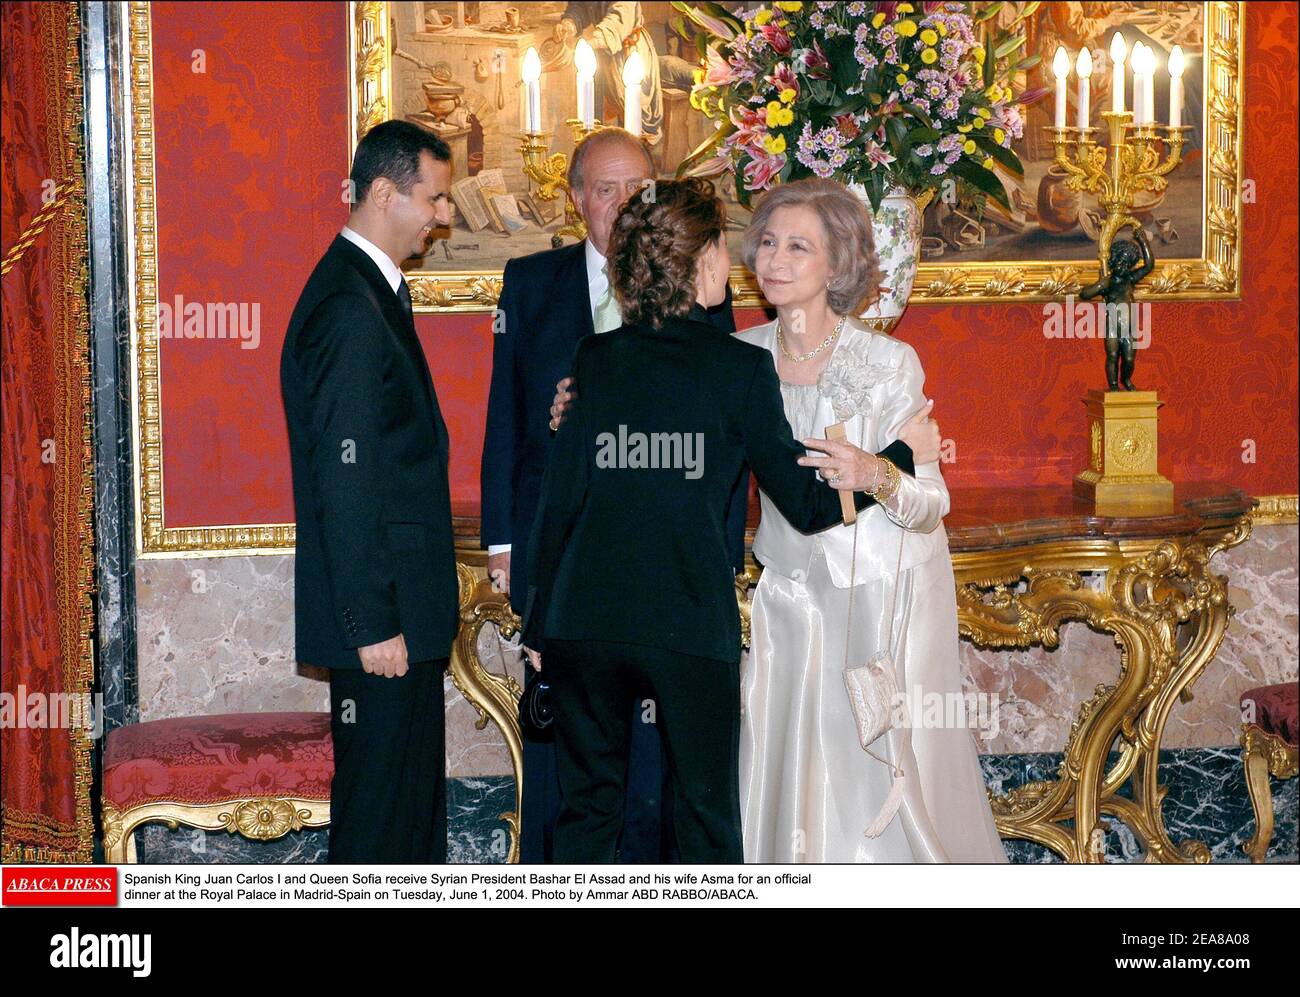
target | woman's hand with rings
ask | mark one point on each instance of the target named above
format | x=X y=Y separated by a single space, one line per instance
x=845 y=467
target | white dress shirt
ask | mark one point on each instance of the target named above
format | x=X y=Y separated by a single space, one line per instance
x=391 y=271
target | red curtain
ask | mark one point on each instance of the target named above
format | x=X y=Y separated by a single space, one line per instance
x=46 y=457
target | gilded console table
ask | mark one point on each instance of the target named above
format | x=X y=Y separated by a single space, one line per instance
x=1023 y=559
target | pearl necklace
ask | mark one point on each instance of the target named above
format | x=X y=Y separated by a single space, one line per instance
x=780 y=339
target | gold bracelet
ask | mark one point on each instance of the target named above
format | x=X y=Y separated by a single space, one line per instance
x=886 y=490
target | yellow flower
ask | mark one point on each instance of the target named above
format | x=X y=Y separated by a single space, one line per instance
x=787 y=95
x=905 y=67
x=978 y=50
x=979 y=122
x=983 y=112
x=774 y=146
x=878 y=20
x=762 y=17
x=905 y=8
x=905 y=28
x=943 y=28
x=968 y=146
x=929 y=56
x=786 y=117
x=698 y=75
x=791 y=6
x=999 y=135
x=900 y=79
x=993 y=92
x=964 y=128
x=929 y=36
x=773 y=110
x=988 y=163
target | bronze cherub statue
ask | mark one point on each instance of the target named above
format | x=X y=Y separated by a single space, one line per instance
x=1129 y=262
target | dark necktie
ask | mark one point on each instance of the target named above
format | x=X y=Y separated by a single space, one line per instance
x=404 y=295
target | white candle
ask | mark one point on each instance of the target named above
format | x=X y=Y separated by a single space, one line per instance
x=1176 y=87
x=1061 y=68
x=1149 y=87
x=532 y=75
x=1117 y=52
x=633 y=73
x=1139 y=84
x=585 y=61
x=1083 y=66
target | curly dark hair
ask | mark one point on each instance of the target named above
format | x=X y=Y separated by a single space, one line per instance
x=655 y=247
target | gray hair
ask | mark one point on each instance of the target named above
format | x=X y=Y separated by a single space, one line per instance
x=598 y=138
x=855 y=269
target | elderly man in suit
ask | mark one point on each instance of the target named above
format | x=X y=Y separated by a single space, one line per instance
x=375 y=574
x=549 y=302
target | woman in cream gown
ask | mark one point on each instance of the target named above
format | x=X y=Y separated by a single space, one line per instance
x=808 y=789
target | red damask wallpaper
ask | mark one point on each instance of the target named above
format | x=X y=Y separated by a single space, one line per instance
x=251 y=153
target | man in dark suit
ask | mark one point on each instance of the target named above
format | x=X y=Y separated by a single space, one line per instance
x=549 y=302
x=376 y=588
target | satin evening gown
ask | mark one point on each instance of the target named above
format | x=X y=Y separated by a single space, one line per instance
x=808 y=790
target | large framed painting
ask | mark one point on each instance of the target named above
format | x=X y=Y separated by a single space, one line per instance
x=457 y=68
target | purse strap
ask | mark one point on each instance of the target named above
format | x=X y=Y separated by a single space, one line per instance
x=893 y=601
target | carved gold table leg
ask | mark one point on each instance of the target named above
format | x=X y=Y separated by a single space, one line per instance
x=1142 y=604
x=493 y=695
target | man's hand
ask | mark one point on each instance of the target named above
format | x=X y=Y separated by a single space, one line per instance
x=534 y=658
x=563 y=399
x=387 y=658
x=921 y=433
x=565 y=29
x=498 y=570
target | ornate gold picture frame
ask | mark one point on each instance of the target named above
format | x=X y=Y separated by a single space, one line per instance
x=1213 y=273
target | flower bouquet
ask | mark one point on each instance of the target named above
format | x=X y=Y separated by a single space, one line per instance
x=880 y=96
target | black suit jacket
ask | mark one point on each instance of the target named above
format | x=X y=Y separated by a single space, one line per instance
x=545 y=311
x=375 y=554
x=636 y=554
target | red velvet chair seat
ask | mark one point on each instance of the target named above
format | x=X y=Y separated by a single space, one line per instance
x=1276 y=709
x=202 y=760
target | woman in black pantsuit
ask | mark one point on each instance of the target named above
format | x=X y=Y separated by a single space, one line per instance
x=630 y=587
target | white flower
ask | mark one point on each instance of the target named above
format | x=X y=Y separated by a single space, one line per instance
x=849 y=377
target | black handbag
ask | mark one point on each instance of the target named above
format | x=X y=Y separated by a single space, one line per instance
x=536 y=717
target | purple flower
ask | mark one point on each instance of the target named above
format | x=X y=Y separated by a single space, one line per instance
x=887 y=35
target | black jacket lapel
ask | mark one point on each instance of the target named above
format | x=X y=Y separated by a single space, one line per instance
x=400 y=325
